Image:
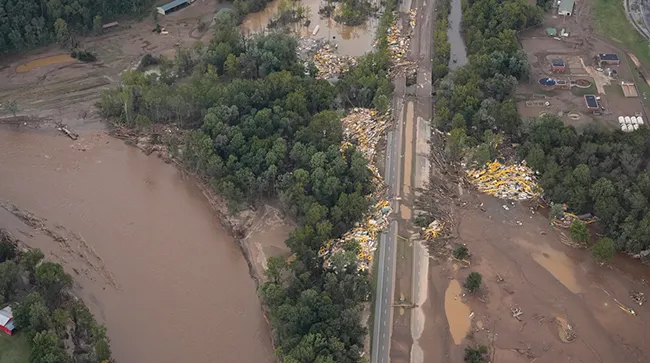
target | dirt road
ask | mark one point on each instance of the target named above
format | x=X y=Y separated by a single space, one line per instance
x=570 y=304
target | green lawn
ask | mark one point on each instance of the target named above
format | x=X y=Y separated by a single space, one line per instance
x=14 y=349
x=611 y=22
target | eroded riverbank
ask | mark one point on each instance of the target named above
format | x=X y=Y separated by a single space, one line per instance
x=182 y=289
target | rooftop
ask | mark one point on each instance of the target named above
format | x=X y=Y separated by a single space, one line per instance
x=173 y=4
x=551 y=32
x=557 y=62
x=566 y=6
x=5 y=315
x=591 y=101
x=608 y=56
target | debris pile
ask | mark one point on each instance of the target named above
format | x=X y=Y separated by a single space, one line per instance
x=433 y=230
x=365 y=233
x=637 y=297
x=364 y=128
x=331 y=65
x=398 y=39
x=511 y=182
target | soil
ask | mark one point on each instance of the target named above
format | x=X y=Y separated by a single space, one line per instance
x=47 y=83
x=570 y=303
x=578 y=51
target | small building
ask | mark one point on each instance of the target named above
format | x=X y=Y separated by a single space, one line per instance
x=173 y=6
x=558 y=66
x=608 y=59
x=592 y=103
x=551 y=32
x=565 y=7
x=629 y=89
x=110 y=25
x=7 y=320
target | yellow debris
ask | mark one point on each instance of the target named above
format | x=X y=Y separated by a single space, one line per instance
x=331 y=65
x=512 y=182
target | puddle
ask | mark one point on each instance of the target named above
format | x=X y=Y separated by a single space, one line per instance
x=564 y=329
x=560 y=266
x=351 y=40
x=405 y=212
x=408 y=150
x=457 y=312
x=458 y=52
x=56 y=59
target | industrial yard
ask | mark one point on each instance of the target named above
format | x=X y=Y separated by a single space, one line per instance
x=578 y=75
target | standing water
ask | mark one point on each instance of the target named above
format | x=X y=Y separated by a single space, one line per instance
x=352 y=41
x=179 y=287
x=458 y=54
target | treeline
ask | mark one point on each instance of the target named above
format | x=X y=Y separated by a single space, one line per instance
x=441 y=45
x=26 y=24
x=261 y=126
x=59 y=328
x=476 y=101
x=596 y=171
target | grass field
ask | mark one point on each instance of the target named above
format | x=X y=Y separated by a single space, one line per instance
x=612 y=23
x=14 y=349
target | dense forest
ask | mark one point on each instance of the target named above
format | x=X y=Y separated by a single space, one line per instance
x=259 y=126
x=595 y=171
x=28 y=24
x=59 y=327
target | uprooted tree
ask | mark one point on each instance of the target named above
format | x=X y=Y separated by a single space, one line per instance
x=473 y=281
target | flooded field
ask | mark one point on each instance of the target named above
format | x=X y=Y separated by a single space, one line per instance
x=46 y=61
x=145 y=250
x=351 y=40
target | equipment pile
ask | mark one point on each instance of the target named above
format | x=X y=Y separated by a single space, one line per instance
x=511 y=182
x=365 y=234
x=363 y=128
x=398 y=40
x=331 y=65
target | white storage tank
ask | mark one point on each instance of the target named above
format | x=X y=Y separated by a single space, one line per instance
x=621 y=120
x=639 y=120
x=628 y=120
x=624 y=127
x=633 y=120
x=636 y=127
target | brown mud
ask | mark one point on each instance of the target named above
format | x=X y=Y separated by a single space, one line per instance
x=571 y=305
x=146 y=251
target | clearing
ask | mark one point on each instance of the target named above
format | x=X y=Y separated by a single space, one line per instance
x=14 y=349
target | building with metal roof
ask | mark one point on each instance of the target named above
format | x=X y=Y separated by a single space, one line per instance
x=565 y=7
x=608 y=59
x=173 y=6
x=7 y=320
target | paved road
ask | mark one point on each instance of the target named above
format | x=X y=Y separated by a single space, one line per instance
x=382 y=326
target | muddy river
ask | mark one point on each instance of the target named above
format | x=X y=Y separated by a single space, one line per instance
x=168 y=281
x=458 y=56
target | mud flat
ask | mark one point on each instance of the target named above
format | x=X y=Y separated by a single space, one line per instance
x=146 y=251
x=571 y=306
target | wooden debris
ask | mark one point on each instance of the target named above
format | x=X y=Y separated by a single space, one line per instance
x=64 y=129
x=516 y=312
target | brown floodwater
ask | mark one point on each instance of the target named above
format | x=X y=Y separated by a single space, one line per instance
x=179 y=289
x=56 y=59
x=351 y=40
x=457 y=312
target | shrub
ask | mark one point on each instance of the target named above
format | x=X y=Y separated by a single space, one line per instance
x=476 y=354
x=461 y=252
x=473 y=281
x=579 y=231
x=604 y=249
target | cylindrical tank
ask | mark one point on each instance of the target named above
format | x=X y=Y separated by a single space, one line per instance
x=639 y=120
x=628 y=120
x=621 y=120
x=636 y=127
x=624 y=127
x=633 y=120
